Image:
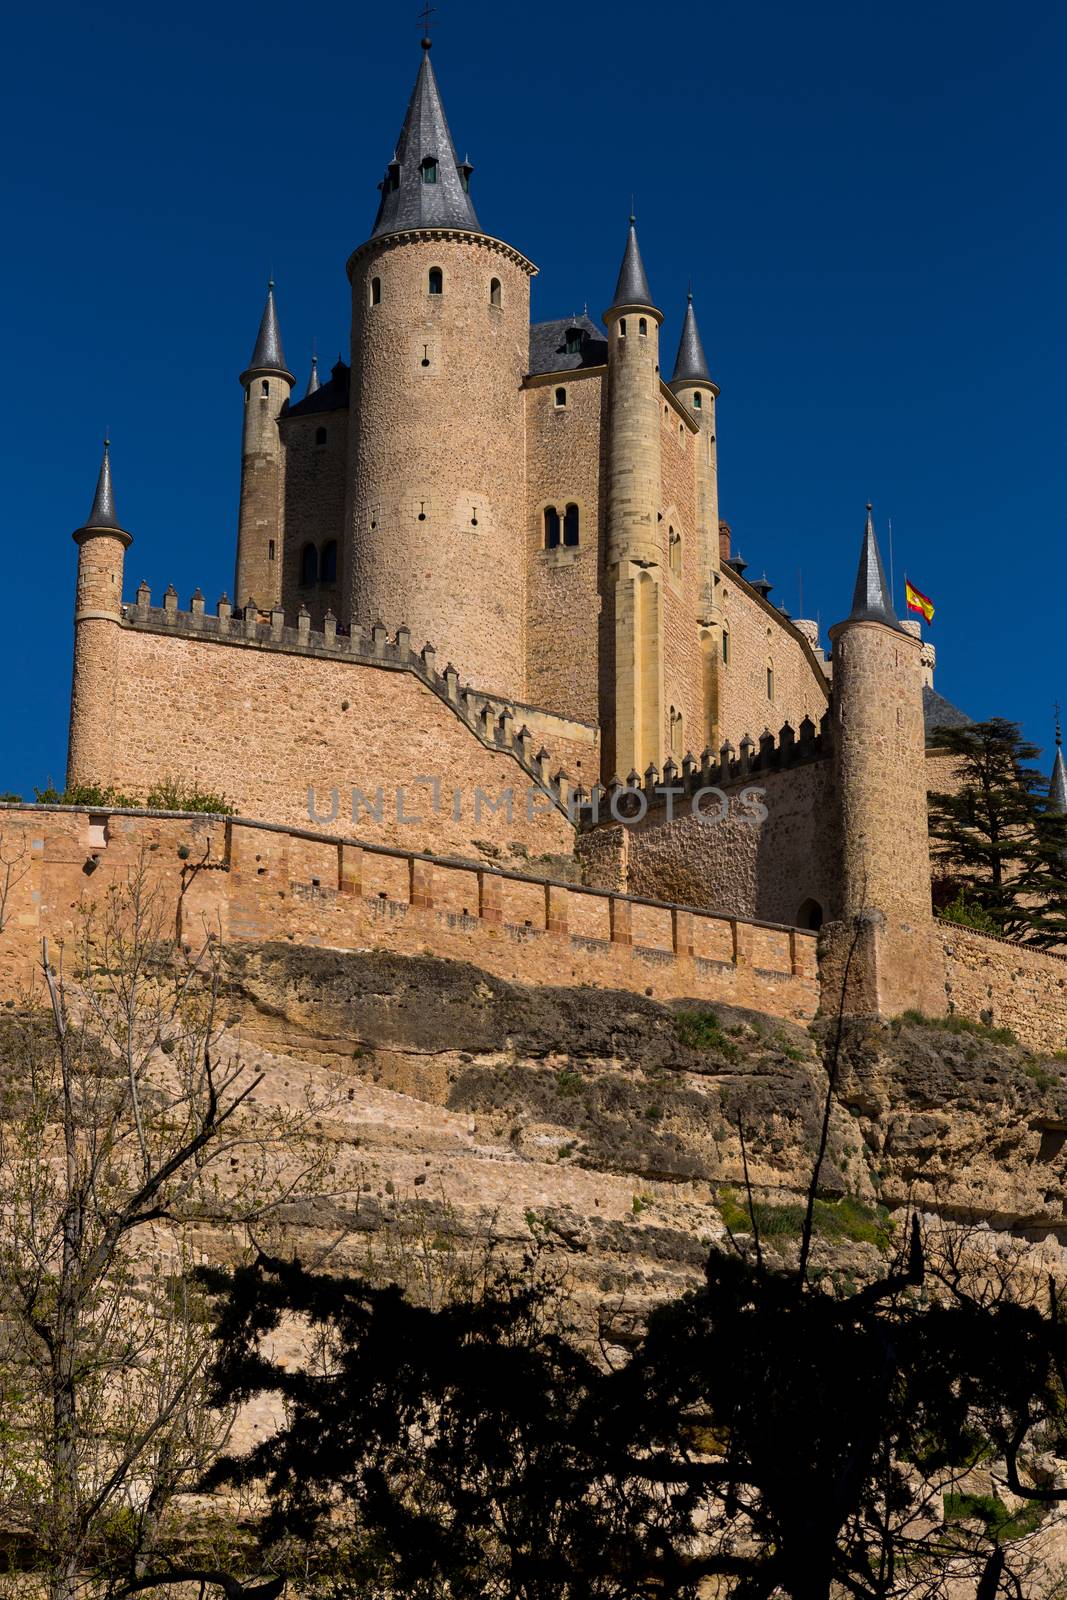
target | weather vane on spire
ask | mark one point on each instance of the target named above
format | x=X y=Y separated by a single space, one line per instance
x=424 y=18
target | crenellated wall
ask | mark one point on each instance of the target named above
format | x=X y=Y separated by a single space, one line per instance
x=244 y=882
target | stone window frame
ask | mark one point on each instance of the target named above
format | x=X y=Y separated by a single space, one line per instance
x=557 y=403
x=438 y=274
x=561 y=554
x=374 y=297
x=496 y=294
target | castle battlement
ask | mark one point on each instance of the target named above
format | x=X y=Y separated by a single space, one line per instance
x=495 y=721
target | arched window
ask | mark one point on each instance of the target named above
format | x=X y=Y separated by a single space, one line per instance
x=561 y=397
x=328 y=564
x=429 y=169
x=494 y=292
x=436 y=281
x=309 y=567
x=770 y=680
x=264 y=387
x=674 y=550
x=726 y=647
x=642 y=326
x=376 y=291
x=622 y=327
x=320 y=435
x=676 y=731
x=697 y=401
x=570 y=525
x=551 y=528
x=573 y=342
x=810 y=915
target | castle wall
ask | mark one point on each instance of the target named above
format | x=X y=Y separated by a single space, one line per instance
x=758 y=633
x=766 y=869
x=563 y=450
x=682 y=675
x=1006 y=985
x=260 y=725
x=315 y=480
x=436 y=501
x=266 y=883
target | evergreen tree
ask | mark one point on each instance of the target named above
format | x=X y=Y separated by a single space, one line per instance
x=1000 y=854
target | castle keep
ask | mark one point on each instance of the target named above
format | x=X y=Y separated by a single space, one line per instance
x=485 y=608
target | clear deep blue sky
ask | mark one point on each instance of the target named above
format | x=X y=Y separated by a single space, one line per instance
x=869 y=201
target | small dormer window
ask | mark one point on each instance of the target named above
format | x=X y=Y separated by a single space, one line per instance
x=465 y=177
x=393 y=175
x=573 y=343
x=429 y=169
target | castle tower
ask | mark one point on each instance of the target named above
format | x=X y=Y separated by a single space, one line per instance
x=879 y=745
x=102 y=544
x=267 y=383
x=692 y=384
x=440 y=347
x=634 y=540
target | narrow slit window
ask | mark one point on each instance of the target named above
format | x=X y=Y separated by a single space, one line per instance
x=551 y=528
x=770 y=681
x=561 y=398
x=642 y=326
x=320 y=436
x=622 y=327
x=494 y=292
x=264 y=387
x=570 y=525
x=697 y=401
x=376 y=291
x=726 y=647
x=436 y=282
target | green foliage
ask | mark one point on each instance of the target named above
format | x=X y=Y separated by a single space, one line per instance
x=1000 y=855
x=702 y=1030
x=848 y=1218
x=958 y=1024
x=169 y=794
x=569 y=1082
x=11 y=799
x=172 y=794
x=1041 y=1075
x=1000 y=1523
x=84 y=794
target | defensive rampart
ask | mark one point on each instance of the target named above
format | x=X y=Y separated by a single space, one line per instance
x=251 y=881
x=1006 y=985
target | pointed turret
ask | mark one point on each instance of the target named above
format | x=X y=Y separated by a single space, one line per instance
x=268 y=356
x=632 y=286
x=1057 y=789
x=103 y=513
x=425 y=185
x=313 y=380
x=871 y=600
x=690 y=364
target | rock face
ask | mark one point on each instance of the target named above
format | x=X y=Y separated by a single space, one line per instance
x=607 y=1127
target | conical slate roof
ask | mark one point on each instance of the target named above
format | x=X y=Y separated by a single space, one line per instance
x=871 y=600
x=425 y=147
x=1057 y=789
x=268 y=356
x=103 y=513
x=632 y=288
x=690 y=364
x=313 y=381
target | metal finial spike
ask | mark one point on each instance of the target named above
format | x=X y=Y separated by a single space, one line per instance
x=1059 y=730
x=870 y=506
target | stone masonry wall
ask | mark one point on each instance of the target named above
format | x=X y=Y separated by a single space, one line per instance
x=758 y=633
x=250 y=883
x=261 y=725
x=562 y=595
x=315 y=509
x=1006 y=985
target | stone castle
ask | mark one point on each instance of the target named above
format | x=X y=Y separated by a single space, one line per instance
x=485 y=610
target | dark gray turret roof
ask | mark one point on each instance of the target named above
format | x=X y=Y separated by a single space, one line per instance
x=1057 y=789
x=313 y=380
x=871 y=600
x=548 y=345
x=407 y=202
x=268 y=356
x=690 y=364
x=103 y=513
x=632 y=288
x=329 y=396
x=940 y=713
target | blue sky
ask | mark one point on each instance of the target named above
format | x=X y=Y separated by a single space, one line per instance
x=868 y=199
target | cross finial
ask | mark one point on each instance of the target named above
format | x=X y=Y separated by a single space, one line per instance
x=424 y=17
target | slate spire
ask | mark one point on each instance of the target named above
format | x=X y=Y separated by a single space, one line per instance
x=103 y=513
x=632 y=288
x=1057 y=789
x=871 y=600
x=313 y=380
x=690 y=364
x=268 y=356
x=425 y=184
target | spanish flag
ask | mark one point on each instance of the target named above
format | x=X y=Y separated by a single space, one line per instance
x=917 y=601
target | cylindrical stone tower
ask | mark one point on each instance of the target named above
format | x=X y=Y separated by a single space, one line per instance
x=267 y=383
x=635 y=551
x=879 y=754
x=440 y=346
x=102 y=546
x=693 y=385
